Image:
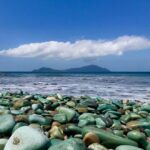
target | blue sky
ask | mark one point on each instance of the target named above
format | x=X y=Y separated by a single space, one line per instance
x=83 y=27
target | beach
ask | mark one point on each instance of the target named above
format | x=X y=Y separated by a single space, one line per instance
x=44 y=111
x=55 y=121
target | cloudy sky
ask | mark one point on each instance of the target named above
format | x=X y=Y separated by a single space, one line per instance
x=72 y=33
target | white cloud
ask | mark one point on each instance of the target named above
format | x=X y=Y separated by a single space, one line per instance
x=80 y=48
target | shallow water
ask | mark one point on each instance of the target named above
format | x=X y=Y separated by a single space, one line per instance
x=134 y=86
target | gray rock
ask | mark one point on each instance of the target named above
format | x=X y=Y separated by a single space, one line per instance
x=27 y=138
x=7 y=123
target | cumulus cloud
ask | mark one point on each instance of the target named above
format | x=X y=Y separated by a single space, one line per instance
x=79 y=48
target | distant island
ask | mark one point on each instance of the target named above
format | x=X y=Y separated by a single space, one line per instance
x=84 y=69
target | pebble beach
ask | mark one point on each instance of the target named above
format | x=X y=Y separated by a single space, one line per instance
x=51 y=122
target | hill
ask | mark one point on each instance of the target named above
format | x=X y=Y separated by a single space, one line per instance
x=84 y=69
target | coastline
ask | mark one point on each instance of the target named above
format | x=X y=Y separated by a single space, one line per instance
x=60 y=121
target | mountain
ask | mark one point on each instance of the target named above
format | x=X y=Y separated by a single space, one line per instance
x=88 y=69
x=84 y=69
x=45 y=69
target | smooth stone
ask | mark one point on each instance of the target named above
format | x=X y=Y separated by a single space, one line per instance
x=70 y=113
x=86 y=119
x=138 y=137
x=7 y=123
x=16 y=112
x=71 y=104
x=73 y=129
x=103 y=107
x=34 y=118
x=109 y=139
x=90 y=138
x=55 y=141
x=21 y=103
x=3 y=111
x=18 y=125
x=69 y=144
x=27 y=138
x=56 y=132
x=60 y=118
x=100 y=123
x=146 y=107
x=96 y=146
x=127 y=147
x=118 y=132
x=3 y=143
x=137 y=124
x=36 y=106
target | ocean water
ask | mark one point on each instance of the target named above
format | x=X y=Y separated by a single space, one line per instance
x=134 y=86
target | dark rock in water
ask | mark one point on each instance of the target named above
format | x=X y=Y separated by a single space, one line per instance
x=70 y=144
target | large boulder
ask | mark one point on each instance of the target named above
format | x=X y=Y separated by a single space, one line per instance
x=27 y=138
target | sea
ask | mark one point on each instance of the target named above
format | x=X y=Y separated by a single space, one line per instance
x=114 y=85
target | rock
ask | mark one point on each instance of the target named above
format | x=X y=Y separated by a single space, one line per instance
x=86 y=119
x=3 y=143
x=100 y=123
x=137 y=124
x=27 y=138
x=60 y=118
x=70 y=113
x=146 y=107
x=96 y=146
x=7 y=123
x=56 y=132
x=18 y=125
x=138 y=137
x=70 y=144
x=127 y=147
x=90 y=138
x=20 y=103
x=34 y=118
x=107 y=138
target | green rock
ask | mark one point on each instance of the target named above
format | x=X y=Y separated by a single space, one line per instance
x=138 y=137
x=100 y=123
x=146 y=107
x=34 y=118
x=86 y=119
x=27 y=138
x=73 y=129
x=108 y=139
x=60 y=118
x=70 y=144
x=96 y=146
x=127 y=147
x=70 y=113
x=7 y=123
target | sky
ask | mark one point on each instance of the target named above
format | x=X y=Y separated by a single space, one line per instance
x=72 y=33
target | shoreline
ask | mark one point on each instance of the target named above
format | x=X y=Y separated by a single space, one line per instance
x=57 y=121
